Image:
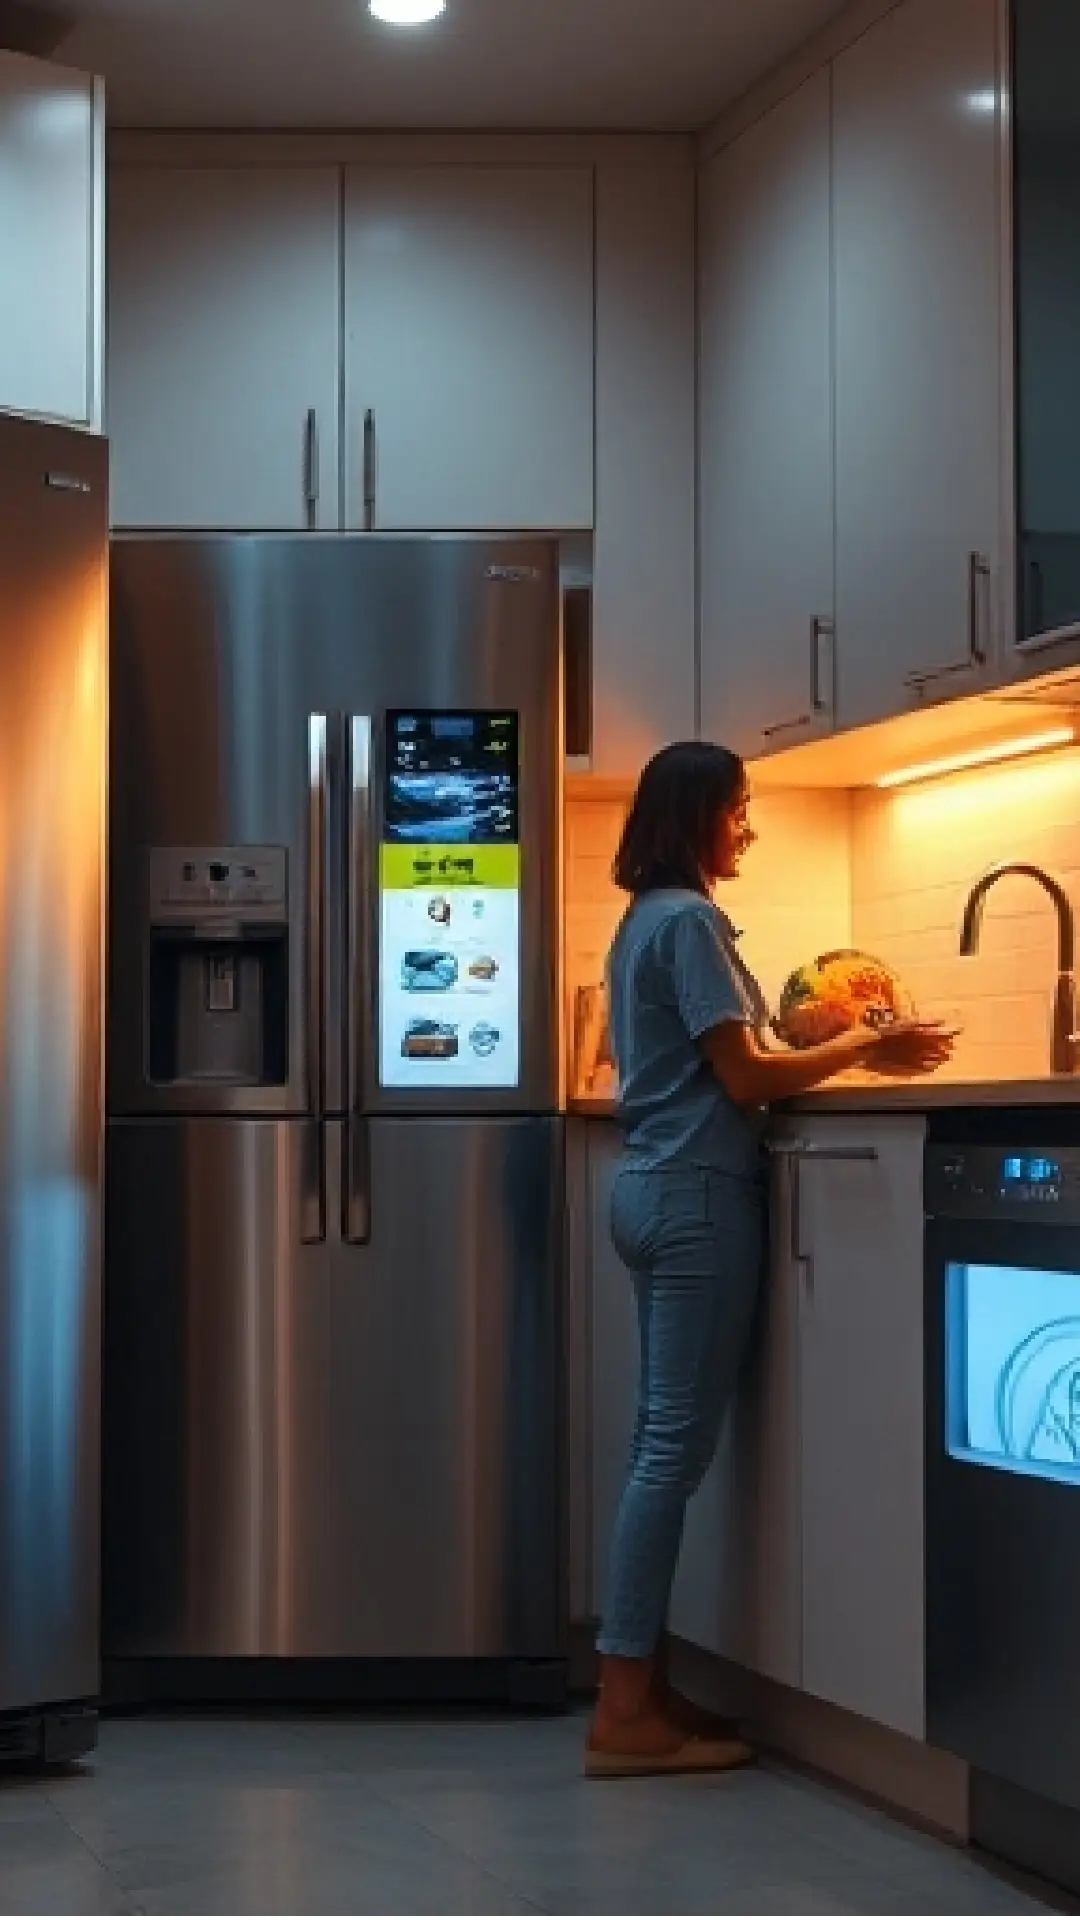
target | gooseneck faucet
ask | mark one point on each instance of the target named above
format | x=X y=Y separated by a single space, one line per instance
x=1064 y=1035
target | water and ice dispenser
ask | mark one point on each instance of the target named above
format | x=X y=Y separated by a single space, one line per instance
x=218 y=967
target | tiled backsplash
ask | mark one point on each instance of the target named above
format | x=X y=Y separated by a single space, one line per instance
x=889 y=872
x=792 y=900
x=916 y=853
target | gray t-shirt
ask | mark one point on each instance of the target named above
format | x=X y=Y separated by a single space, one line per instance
x=673 y=974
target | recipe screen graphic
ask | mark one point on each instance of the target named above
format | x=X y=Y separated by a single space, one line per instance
x=450 y=888
x=1013 y=1369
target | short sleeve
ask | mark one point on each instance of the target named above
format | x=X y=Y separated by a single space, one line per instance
x=707 y=988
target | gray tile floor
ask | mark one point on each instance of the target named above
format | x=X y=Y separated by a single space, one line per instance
x=402 y=1815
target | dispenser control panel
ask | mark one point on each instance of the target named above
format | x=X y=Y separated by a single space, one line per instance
x=243 y=884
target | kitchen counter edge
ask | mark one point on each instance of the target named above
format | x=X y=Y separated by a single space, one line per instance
x=890 y=1097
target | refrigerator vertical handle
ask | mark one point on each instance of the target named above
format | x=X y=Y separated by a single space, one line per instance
x=356 y=1188
x=318 y=817
x=369 y=471
x=313 y=1201
x=361 y=881
x=356 y=1184
x=312 y=1183
x=311 y=468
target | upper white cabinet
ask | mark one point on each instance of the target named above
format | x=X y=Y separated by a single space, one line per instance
x=52 y=138
x=767 y=430
x=917 y=237
x=644 y=614
x=224 y=347
x=469 y=347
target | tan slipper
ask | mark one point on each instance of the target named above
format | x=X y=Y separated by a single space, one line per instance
x=697 y=1722
x=691 y=1756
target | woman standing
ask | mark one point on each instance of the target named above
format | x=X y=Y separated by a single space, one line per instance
x=689 y=1210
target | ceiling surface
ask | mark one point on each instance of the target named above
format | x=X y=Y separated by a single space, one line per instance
x=657 y=65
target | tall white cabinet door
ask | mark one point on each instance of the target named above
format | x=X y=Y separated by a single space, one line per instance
x=738 y=1587
x=469 y=347
x=766 y=430
x=644 y=603
x=860 y=1231
x=224 y=347
x=918 y=316
x=52 y=177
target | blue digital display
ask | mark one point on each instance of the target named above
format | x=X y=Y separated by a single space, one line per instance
x=1030 y=1170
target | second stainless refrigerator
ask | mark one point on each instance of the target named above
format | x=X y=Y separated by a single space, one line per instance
x=334 y=1212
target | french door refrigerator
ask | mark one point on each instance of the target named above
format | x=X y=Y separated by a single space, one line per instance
x=334 y=1151
x=53 y=691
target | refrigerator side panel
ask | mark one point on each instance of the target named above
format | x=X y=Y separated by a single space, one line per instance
x=53 y=691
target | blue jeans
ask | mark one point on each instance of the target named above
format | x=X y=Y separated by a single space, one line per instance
x=694 y=1242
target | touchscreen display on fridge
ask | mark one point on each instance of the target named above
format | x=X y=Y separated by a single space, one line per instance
x=450 y=903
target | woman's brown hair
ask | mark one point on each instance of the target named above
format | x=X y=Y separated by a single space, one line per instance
x=670 y=831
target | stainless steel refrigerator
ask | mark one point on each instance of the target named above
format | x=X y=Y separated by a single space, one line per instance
x=334 y=1220
x=53 y=637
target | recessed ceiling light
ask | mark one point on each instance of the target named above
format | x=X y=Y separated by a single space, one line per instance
x=406 y=13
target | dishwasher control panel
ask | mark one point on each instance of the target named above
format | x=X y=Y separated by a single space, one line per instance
x=1004 y=1183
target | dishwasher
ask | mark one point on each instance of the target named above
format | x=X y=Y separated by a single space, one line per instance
x=1003 y=1474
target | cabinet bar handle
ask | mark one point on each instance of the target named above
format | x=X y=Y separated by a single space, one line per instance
x=311 y=467
x=822 y=632
x=787 y=726
x=803 y=1150
x=979 y=577
x=369 y=470
x=822 y=635
x=980 y=574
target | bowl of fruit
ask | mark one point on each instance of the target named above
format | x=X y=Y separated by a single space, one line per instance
x=836 y=992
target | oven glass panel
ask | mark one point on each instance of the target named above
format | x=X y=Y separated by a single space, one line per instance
x=1012 y=1386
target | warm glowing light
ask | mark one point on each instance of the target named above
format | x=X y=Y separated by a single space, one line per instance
x=406 y=13
x=979 y=757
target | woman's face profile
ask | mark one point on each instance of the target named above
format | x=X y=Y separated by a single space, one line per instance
x=734 y=837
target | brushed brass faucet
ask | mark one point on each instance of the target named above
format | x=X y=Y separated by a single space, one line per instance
x=1063 y=1042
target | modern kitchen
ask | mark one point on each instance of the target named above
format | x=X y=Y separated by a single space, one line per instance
x=412 y=418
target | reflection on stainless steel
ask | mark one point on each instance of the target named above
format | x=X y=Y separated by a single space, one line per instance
x=334 y=1311
x=344 y=1450
x=1064 y=1037
x=53 y=553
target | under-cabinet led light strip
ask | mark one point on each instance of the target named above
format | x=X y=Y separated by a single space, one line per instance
x=978 y=757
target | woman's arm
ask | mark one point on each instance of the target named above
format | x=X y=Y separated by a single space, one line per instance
x=753 y=1075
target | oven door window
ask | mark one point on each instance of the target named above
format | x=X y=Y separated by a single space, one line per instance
x=1012 y=1373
